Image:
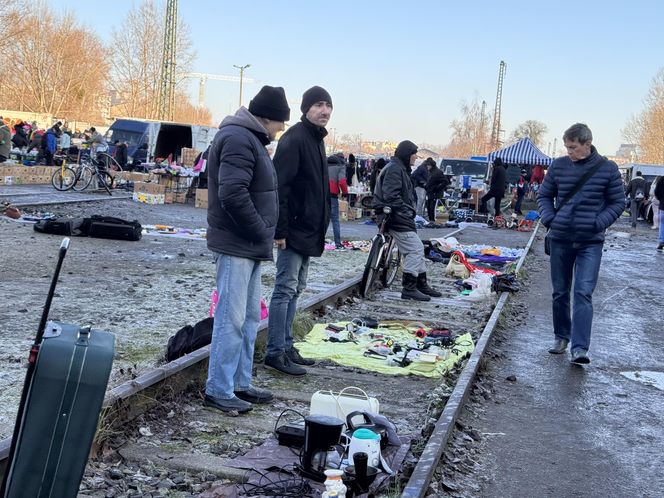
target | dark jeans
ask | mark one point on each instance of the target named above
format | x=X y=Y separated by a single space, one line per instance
x=498 y=198
x=431 y=207
x=574 y=263
x=334 y=219
x=519 y=199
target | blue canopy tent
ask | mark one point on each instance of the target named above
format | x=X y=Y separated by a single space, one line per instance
x=523 y=152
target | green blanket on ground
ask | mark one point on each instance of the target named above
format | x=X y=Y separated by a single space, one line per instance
x=351 y=354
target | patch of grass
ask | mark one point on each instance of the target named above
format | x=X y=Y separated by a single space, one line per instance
x=139 y=353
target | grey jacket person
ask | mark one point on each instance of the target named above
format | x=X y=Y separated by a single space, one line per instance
x=243 y=204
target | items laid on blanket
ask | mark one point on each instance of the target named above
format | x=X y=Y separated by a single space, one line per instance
x=391 y=348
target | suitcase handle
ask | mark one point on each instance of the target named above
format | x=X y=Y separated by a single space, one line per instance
x=51 y=292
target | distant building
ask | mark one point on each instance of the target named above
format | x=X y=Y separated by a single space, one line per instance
x=628 y=153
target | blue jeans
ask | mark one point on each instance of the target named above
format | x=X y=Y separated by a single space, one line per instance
x=578 y=263
x=334 y=219
x=235 y=326
x=291 y=280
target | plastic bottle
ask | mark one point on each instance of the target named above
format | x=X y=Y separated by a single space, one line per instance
x=334 y=486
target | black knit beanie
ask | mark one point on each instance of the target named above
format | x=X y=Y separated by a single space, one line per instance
x=404 y=150
x=313 y=95
x=270 y=103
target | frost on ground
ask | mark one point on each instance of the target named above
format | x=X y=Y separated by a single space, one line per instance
x=142 y=292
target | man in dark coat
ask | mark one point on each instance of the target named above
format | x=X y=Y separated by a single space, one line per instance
x=242 y=216
x=435 y=189
x=576 y=234
x=497 y=187
x=395 y=189
x=637 y=190
x=420 y=177
x=304 y=214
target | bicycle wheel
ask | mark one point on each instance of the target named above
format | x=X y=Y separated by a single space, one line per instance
x=105 y=181
x=63 y=179
x=84 y=178
x=371 y=267
x=392 y=265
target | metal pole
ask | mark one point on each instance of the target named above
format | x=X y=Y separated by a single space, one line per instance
x=241 y=68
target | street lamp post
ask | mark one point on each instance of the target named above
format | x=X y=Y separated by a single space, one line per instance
x=241 y=68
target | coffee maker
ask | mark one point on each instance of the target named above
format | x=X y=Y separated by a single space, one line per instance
x=321 y=434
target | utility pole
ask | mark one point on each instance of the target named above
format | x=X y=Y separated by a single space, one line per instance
x=167 y=80
x=241 y=68
x=482 y=144
x=495 y=132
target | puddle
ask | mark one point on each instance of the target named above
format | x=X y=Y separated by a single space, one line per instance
x=649 y=378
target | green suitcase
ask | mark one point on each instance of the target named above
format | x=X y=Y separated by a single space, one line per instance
x=68 y=372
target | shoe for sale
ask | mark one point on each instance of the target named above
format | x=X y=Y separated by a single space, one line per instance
x=255 y=395
x=233 y=404
x=283 y=364
x=559 y=346
x=295 y=357
x=580 y=357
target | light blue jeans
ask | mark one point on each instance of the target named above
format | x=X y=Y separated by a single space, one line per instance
x=577 y=263
x=236 y=322
x=291 y=280
x=334 y=219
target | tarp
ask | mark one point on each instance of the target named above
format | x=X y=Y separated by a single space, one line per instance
x=522 y=152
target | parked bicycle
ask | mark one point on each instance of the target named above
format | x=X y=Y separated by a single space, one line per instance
x=384 y=259
x=103 y=168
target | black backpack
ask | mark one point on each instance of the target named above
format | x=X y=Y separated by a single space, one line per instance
x=189 y=338
x=63 y=226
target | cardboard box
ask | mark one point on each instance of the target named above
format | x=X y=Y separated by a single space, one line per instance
x=148 y=198
x=201 y=200
x=187 y=156
x=180 y=198
x=149 y=188
x=169 y=198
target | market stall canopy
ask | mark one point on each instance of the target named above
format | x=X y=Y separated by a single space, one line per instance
x=522 y=152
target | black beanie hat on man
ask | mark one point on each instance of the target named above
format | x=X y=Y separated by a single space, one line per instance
x=270 y=103
x=404 y=150
x=313 y=95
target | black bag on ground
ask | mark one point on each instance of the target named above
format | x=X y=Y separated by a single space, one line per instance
x=107 y=227
x=189 y=338
x=63 y=226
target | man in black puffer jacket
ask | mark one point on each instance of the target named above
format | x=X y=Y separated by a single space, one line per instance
x=576 y=234
x=242 y=216
x=395 y=189
x=304 y=214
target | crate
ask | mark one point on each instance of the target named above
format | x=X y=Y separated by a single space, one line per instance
x=188 y=156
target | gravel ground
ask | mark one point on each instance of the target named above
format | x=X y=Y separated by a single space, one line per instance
x=142 y=292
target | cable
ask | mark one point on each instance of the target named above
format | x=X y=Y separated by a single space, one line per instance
x=290 y=486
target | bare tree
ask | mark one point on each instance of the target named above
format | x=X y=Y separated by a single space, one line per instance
x=535 y=130
x=48 y=72
x=647 y=129
x=136 y=61
x=470 y=132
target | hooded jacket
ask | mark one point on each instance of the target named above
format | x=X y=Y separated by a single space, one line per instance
x=498 y=175
x=395 y=189
x=635 y=185
x=242 y=189
x=594 y=208
x=336 y=169
x=304 y=208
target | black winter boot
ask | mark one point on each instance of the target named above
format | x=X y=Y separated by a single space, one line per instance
x=424 y=288
x=410 y=289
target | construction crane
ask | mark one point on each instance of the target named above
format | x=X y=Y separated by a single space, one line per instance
x=495 y=131
x=167 y=80
x=203 y=77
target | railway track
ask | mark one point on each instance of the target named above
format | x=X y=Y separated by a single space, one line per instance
x=196 y=440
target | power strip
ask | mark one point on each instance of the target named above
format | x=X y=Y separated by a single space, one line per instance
x=291 y=434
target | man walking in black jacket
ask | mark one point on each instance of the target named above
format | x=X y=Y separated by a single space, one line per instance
x=304 y=214
x=497 y=188
x=242 y=214
x=395 y=189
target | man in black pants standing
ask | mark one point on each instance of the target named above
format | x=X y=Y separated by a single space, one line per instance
x=497 y=188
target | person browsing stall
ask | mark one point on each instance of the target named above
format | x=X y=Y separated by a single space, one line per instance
x=242 y=216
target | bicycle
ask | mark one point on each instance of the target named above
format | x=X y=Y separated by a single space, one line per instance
x=384 y=259
x=64 y=177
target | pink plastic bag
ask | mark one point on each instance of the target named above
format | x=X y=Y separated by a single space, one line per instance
x=215 y=301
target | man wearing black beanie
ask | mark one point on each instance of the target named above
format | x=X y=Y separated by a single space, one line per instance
x=394 y=189
x=242 y=214
x=304 y=214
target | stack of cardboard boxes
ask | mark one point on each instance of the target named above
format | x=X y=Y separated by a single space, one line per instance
x=26 y=175
x=201 y=198
x=187 y=156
